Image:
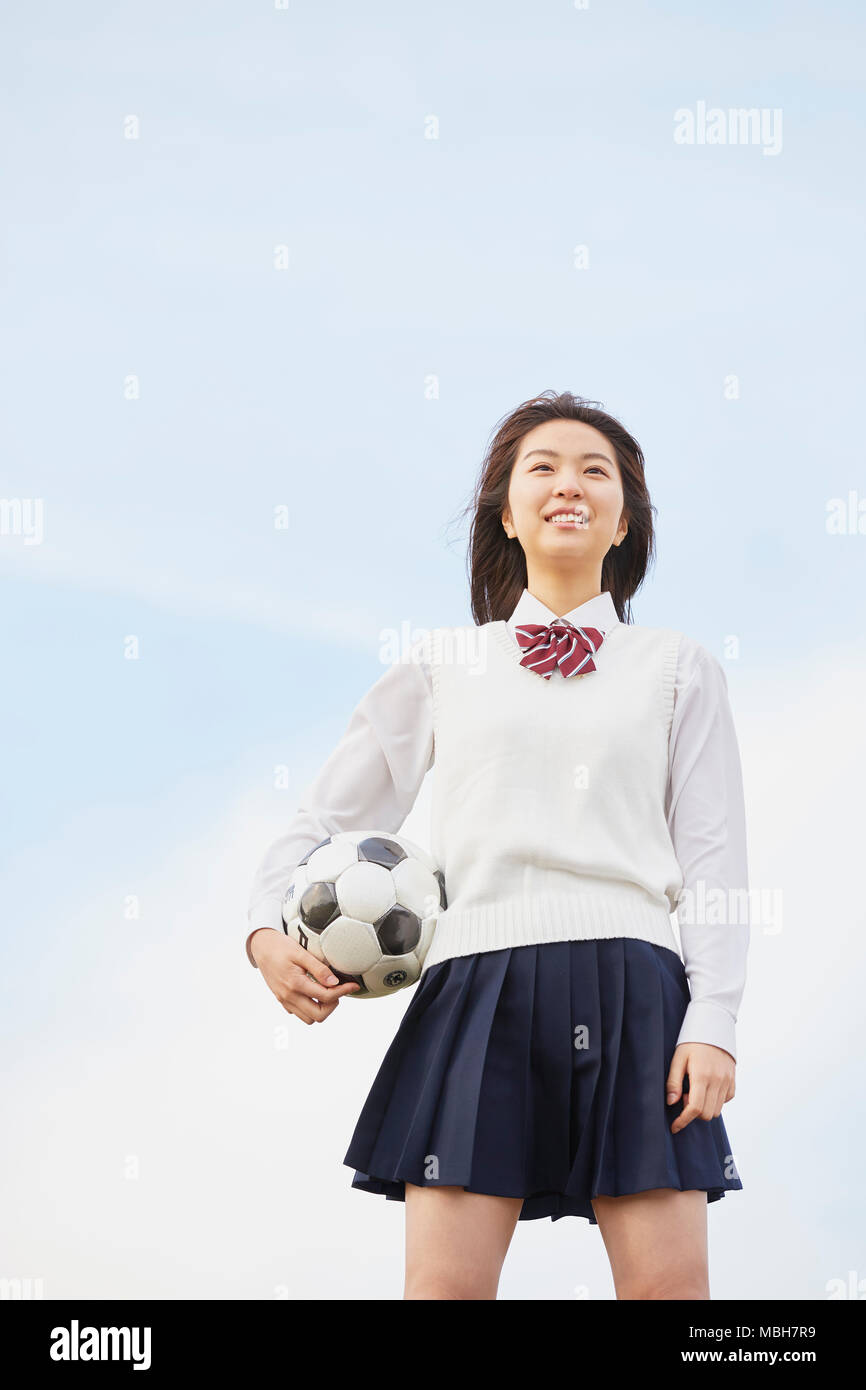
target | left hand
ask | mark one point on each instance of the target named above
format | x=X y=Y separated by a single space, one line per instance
x=711 y=1072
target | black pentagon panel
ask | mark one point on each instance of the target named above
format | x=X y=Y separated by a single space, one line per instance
x=440 y=877
x=344 y=979
x=318 y=906
x=313 y=850
x=377 y=850
x=398 y=931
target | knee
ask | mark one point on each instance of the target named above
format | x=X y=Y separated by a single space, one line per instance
x=693 y=1285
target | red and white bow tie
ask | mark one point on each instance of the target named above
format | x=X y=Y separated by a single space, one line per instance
x=558 y=644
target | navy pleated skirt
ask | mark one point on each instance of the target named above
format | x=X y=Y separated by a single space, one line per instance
x=539 y=1072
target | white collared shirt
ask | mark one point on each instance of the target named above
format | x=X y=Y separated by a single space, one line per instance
x=375 y=772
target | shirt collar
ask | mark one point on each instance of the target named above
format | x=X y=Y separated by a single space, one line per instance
x=599 y=612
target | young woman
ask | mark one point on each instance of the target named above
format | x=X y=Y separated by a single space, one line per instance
x=558 y=1056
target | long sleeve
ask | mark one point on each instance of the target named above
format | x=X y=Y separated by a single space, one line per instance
x=371 y=779
x=706 y=817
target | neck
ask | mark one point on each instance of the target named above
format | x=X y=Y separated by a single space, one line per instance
x=562 y=593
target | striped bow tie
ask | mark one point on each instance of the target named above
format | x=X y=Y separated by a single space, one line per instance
x=558 y=644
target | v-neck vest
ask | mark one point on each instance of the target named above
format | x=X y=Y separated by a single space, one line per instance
x=548 y=812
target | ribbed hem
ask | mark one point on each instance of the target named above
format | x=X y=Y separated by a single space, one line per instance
x=552 y=917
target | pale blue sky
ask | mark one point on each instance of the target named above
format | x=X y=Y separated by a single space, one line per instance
x=407 y=257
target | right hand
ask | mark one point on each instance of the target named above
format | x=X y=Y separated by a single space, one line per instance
x=283 y=962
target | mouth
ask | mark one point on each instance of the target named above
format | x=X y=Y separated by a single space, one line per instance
x=570 y=519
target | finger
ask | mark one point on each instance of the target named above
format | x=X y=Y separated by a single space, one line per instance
x=708 y=1109
x=307 y=1009
x=313 y=990
x=323 y=1002
x=674 y=1082
x=685 y=1117
x=302 y=1006
x=297 y=1010
x=322 y=973
x=698 y=1094
x=325 y=1010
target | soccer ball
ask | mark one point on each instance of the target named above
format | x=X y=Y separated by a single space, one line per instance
x=366 y=903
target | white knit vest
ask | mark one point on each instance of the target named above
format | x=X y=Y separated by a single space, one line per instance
x=548 y=817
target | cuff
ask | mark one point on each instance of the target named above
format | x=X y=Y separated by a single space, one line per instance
x=709 y=1023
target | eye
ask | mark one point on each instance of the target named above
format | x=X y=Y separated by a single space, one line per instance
x=594 y=468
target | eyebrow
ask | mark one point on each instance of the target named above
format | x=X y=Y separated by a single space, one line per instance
x=551 y=453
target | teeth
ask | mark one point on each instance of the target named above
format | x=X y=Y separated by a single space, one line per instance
x=565 y=518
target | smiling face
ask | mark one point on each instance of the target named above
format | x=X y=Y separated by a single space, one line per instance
x=565 y=465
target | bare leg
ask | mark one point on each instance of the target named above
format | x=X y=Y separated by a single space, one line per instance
x=656 y=1242
x=456 y=1242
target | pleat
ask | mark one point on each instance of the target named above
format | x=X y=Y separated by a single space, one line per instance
x=539 y=1072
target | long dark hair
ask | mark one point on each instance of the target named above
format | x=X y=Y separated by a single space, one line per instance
x=497 y=564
